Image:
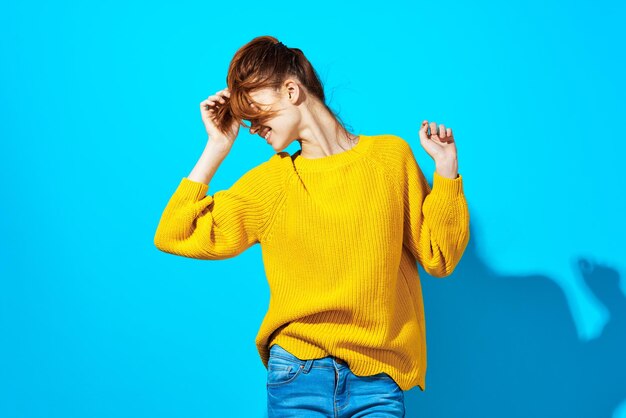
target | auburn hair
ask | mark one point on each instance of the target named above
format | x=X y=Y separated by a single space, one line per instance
x=265 y=62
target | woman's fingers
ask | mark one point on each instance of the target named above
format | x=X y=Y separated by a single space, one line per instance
x=433 y=128
x=209 y=106
x=225 y=93
x=204 y=105
x=441 y=133
x=213 y=99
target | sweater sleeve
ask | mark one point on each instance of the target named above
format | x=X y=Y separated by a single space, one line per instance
x=222 y=225
x=436 y=220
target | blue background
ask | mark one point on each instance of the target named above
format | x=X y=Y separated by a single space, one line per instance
x=100 y=122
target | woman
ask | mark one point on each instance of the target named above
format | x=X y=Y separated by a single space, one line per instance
x=342 y=224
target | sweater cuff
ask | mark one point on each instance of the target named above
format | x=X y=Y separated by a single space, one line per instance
x=191 y=190
x=449 y=187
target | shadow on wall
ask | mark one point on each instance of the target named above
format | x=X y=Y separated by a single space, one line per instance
x=507 y=346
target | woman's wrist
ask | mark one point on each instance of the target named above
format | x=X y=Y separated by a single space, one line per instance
x=448 y=169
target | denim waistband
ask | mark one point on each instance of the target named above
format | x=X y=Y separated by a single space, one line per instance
x=329 y=361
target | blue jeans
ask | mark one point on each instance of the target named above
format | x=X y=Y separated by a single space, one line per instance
x=327 y=388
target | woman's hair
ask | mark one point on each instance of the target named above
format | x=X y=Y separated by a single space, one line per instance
x=264 y=62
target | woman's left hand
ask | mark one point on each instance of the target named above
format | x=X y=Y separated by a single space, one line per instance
x=440 y=145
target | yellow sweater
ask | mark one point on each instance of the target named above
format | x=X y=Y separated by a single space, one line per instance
x=340 y=237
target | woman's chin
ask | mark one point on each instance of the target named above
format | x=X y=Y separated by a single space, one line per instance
x=276 y=147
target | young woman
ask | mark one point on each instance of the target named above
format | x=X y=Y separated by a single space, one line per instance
x=342 y=224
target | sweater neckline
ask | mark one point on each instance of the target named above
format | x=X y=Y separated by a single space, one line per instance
x=334 y=160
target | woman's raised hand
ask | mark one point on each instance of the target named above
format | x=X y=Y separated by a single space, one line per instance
x=208 y=111
x=441 y=146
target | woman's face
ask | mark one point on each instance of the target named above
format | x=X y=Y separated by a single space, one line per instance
x=282 y=129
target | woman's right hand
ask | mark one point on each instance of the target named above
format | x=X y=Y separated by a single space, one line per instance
x=208 y=110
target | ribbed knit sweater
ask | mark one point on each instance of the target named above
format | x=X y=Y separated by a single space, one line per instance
x=340 y=237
